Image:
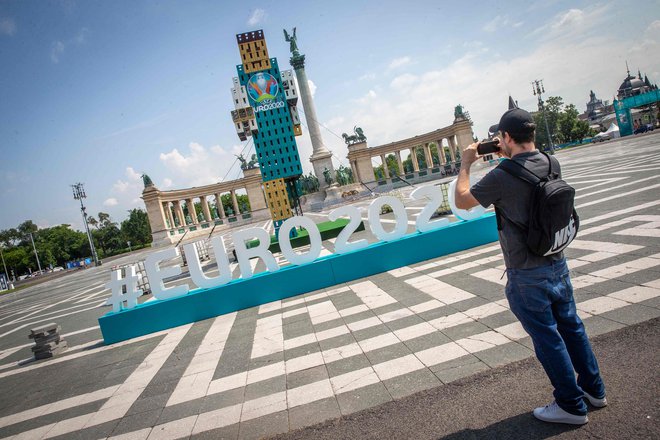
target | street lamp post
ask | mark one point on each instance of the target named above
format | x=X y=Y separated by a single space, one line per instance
x=537 y=89
x=79 y=194
x=4 y=265
x=35 y=252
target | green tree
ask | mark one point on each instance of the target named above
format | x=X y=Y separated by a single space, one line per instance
x=136 y=228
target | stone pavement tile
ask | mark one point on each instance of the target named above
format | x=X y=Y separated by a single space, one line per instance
x=597 y=325
x=458 y=368
x=161 y=388
x=464 y=330
x=411 y=383
x=298 y=328
x=136 y=422
x=119 y=374
x=180 y=411
x=322 y=326
x=234 y=359
x=346 y=300
x=426 y=341
x=498 y=319
x=364 y=315
x=388 y=353
x=265 y=387
x=642 y=277
x=49 y=418
x=653 y=302
x=336 y=341
x=176 y=429
x=430 y=315
x=347 y=365
x=312 y=413
x=389 y=308
x=304 y=350
x=225 y=433
x=632 y=314
x=469 y=303
x=92 y=433
x=504 y=354
x=224 y=399
x=148 y=403
x=265 y=426
x=402 y=291
x=361 y=398
x=370 y=332
x=263 y=361
x=304 y=377
x=408 y=321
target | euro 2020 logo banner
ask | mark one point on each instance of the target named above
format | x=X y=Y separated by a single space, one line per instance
x=261 y=87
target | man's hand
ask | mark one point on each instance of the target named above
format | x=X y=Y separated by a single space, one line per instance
x=469 y=155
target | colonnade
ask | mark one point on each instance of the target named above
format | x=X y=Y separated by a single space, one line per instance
x=445 y=140
x=167 y=217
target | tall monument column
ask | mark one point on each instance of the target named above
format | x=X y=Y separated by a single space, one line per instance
x=321 y=157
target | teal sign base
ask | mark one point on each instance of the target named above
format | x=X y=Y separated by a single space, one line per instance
x=289 y=281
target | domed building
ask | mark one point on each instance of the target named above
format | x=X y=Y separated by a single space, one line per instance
x=632 y=86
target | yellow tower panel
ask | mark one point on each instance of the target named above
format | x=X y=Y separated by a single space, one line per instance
x=278 y=200
x=297 y=130
x=254 y=52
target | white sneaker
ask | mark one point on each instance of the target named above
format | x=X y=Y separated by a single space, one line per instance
x=598 y=403
x=554 y=414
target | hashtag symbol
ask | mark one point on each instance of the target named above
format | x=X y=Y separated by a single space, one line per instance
x=123 y=290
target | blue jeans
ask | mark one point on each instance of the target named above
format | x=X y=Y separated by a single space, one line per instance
x=542 y=300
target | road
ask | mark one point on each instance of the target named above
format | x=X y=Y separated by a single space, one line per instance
x=441 y=324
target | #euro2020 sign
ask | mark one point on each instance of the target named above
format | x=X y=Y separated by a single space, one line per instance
x=352 y=259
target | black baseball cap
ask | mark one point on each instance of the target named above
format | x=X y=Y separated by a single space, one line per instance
x=515 y=120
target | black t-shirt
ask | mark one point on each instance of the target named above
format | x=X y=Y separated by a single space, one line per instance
x=511 y=195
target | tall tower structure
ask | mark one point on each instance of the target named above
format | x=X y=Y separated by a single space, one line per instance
x=265 y=109
x=321 y=158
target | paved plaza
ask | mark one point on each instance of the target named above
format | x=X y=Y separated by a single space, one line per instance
x=330 y=353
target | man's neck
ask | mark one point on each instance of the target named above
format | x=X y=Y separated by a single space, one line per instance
x=526 y=147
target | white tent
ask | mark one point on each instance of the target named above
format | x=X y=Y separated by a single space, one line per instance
x=613 y=131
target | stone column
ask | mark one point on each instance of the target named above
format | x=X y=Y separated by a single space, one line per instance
x=168 y=214
x=191 y=211
x=413 y=156
x=399 y=162
x=155 y=213
x=234 y=202
x=428 y=156
x=452 y=149
x=385 y=170
x=441 y=152
x=321 y=158
x=356 y=178
x=205 y=208
x=178 y=210
x=219 y=207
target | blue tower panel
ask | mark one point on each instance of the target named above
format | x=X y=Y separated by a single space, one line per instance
x=274 y=142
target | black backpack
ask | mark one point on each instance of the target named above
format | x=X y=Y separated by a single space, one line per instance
x=553 y=221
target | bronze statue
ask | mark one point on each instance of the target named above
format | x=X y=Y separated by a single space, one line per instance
x=292 y=40
x=147 y=180
x=356 y=138
x=458 y=111
x=360 y=134
x=242 y=160
x=253 y=162
x=327 y=176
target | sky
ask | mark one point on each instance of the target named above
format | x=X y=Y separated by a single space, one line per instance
x=100 y=92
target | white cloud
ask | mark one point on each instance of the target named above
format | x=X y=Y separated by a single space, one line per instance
x=202 y=166
x=312 y=87
x=111 y=202
x=120 y=186
x=167 y=183
x=257 y=17
x=7 y=26
x=500 y=22
x=56 y=50
x=132 y=175
x=59 y=47
x=403 y=81
x=398 y=62
x=367 y=76
x=571 y=18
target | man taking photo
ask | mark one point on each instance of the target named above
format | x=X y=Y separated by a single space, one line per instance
x=538 y=289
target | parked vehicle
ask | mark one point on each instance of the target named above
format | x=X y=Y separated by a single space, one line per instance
x=601 y=137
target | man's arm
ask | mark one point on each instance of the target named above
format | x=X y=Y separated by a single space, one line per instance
x=463 y=197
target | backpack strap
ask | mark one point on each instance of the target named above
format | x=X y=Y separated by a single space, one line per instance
x=520 y=171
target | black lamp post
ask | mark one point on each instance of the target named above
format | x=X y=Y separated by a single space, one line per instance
x=537 y=89
x=79 y=194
